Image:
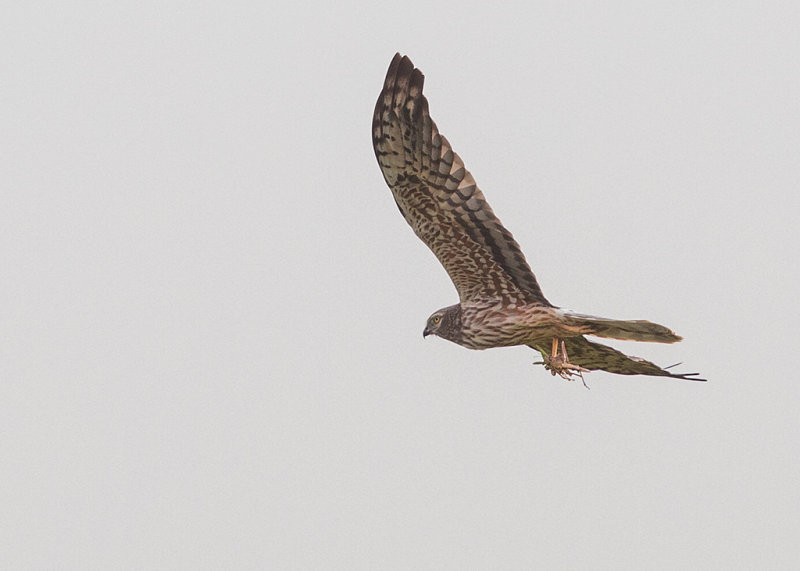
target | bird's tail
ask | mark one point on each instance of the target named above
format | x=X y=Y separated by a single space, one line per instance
x=636 y=330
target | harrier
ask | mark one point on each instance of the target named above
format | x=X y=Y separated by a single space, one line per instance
x=500 y=301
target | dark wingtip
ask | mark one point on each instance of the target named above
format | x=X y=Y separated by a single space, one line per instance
x=401 y=70
x=402 y=89
x=684 y=376
x=392 y=71
x=688 y=377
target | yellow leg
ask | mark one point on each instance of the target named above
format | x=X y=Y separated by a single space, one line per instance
x=560 y=365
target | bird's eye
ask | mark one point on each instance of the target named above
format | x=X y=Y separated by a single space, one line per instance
x=437 y=319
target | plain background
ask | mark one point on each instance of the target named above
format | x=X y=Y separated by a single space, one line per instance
x=210 y=331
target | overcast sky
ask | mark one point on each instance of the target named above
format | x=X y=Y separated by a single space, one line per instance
x=211 y=349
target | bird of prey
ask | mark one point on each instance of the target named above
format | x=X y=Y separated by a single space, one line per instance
x=500 y=301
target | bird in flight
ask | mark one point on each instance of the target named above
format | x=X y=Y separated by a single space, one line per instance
x=500 y=301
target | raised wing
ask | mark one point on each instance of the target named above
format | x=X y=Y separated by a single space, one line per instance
x=596 y=356
x=439 y=198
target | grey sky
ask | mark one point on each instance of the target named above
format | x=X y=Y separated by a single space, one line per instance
x=211 y=348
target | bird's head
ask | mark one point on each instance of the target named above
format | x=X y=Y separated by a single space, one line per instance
x=445 y=323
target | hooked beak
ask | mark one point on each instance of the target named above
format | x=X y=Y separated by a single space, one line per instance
x=426 y=332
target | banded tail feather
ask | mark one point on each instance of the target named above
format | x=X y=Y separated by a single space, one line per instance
x=625 y=330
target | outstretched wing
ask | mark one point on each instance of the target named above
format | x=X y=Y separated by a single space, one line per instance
x=439 y=198
x=595 y=356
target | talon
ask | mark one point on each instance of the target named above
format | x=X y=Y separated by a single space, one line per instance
x=560 y=365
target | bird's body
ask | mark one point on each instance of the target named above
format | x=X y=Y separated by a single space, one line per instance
x=501 y=303
x=488 y=323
